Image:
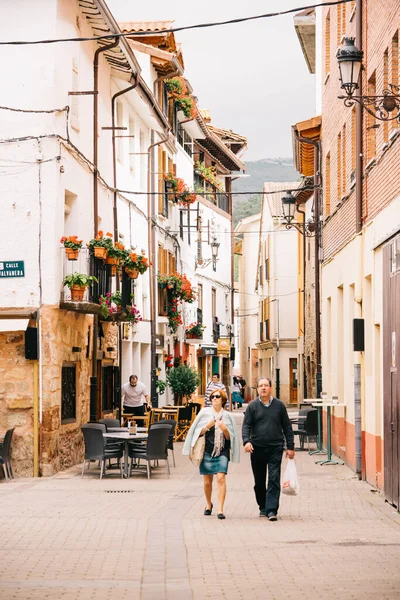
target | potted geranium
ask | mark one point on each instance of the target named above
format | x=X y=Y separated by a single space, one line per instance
x=135 y=264
x=187 y=104
x=101 y=244
x=182 y=194
x=116 y=255
x=195 y=331
x=77 y=283
x=179 y=289
x=72 y=246
x=132 y=314
x=110 y=305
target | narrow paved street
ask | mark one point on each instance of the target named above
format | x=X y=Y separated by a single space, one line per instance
x=69 y=538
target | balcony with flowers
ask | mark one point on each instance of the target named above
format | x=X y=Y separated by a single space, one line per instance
x=207 y=185
x=89 y=277
x=178 y=191
x=194 y=332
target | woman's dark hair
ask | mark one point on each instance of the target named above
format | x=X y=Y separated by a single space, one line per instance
x=223 y=394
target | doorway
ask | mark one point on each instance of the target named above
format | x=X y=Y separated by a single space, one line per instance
x=293 y=380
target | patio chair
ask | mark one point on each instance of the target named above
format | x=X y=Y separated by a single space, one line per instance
x=185 y=418
x=156 y=448
x=309 y=429
x=5 y=455
x=196 y=407
x=110 y=422
x=96 y=448
x=170 y=443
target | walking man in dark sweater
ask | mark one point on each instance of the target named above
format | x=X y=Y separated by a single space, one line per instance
x=265 y=427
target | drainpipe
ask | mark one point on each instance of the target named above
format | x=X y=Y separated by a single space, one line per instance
x=304 y=381
x=113 y=100
x=93 y=378
x=358 y=408
x=115 y=207
x=152 y=250
x=318 y=241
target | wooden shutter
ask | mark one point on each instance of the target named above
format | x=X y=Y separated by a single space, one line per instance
x=160 y=182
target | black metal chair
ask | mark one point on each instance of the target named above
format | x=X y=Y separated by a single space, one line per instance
x=5 y=455
x=96 y=448
x=170 y=443
x=156 y=448
x=308 y=429
x=110 y=422
x=185 y=418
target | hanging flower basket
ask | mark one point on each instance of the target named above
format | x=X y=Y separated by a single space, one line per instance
x=72 y=246
x=132 y=273
x=135 y=263
x=100 y=252
x=71 y=254
x=112 y=260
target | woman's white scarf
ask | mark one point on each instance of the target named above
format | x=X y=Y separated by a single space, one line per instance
x=219 y=438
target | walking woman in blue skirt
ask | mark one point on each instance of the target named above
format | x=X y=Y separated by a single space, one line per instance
x=221 y=442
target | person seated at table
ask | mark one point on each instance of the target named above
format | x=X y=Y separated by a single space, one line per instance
x=134 y=396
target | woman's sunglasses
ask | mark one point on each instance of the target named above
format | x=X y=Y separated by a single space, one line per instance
x=215 y=396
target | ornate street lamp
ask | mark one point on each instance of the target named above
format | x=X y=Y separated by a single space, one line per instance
x=289 y=205
x=214 y=251
x=350 y=63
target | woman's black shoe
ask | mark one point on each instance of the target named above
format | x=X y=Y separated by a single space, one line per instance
x=208 y=511
x=221 y=516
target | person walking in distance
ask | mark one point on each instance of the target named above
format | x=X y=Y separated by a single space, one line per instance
x=134 y=397
x=214 y=384
x=266 y=426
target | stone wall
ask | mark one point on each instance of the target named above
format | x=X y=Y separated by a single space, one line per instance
x=16 y=399
x=62 y=443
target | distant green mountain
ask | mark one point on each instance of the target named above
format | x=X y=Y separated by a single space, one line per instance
x=260 y=171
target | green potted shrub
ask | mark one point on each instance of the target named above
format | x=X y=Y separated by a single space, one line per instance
x=77 y=283
x=183 y=381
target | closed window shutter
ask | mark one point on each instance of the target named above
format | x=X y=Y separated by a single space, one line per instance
x=160 y=182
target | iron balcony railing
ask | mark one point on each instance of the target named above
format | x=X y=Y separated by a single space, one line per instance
x=210 y=192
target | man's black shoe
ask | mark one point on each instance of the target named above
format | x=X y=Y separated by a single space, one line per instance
x=263 y=513
x=272 y=516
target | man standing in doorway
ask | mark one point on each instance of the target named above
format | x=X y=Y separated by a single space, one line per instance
x=134 y=397
x=214 y=384
x=265 y=427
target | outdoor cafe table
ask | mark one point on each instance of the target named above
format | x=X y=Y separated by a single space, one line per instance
x=168 y=412
x=126 y=437
x=125 y=429
x=328 y=405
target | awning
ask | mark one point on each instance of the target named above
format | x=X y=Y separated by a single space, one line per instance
x=13 y=324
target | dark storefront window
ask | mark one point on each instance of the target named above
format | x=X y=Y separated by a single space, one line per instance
x=68 y=393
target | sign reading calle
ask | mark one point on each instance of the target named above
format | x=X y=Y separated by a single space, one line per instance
x=12 y=269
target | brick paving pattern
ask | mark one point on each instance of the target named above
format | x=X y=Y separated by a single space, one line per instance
x=72 y=539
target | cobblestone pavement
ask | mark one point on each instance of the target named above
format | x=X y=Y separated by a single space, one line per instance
x=72 y=539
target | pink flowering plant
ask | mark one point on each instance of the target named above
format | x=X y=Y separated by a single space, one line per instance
x=132 y=314
x=110 y=304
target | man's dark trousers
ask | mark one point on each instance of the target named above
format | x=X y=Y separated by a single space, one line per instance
x=261 y=457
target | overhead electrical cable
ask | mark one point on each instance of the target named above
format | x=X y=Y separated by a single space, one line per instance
x=173 y=29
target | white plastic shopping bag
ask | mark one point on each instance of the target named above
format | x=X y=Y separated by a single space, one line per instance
x=290 y=485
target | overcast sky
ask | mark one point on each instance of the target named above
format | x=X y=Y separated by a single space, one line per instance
x=251 y=76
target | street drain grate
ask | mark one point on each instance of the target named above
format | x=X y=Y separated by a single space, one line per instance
x=119 y=491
